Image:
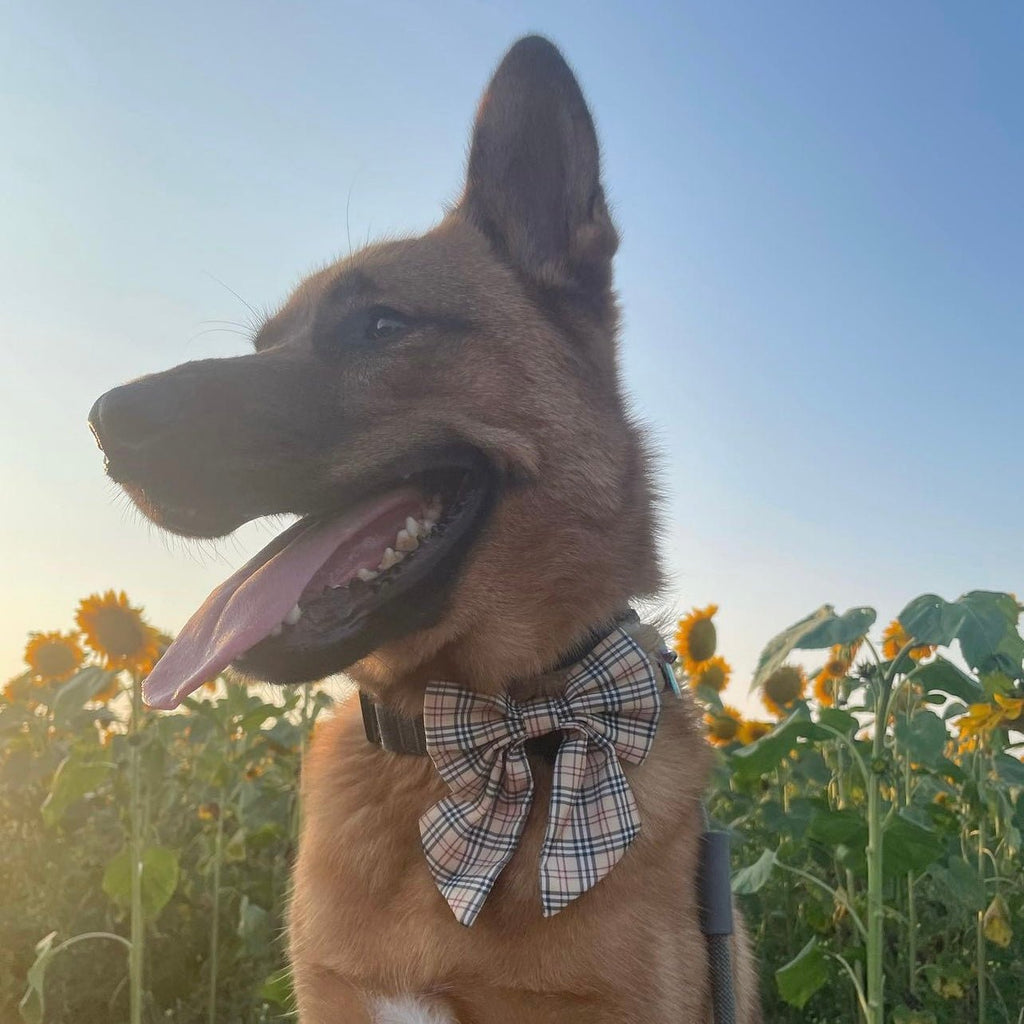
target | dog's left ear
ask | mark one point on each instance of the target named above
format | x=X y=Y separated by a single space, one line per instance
x=533 y=184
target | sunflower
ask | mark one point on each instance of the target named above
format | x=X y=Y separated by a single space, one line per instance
x=116 y=631
x=895 y=638
x=783 y=688
x=697 y=638
x=19 y=689
x=840 y=658
x=981 y=720
x=163 y=641
x=53 y=657
x=713 y=673
x=723 y=726
x=826 y=688
x=751 y=731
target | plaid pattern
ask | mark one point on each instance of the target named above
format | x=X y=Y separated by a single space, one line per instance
x=608 y=713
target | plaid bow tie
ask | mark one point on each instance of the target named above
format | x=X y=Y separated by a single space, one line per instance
x=608 y=713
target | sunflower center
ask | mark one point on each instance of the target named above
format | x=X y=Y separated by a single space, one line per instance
x=53 y=660
x=713 y=676
x=724 y=727
x=120 y=632
x=703 y=640
x=783 y=685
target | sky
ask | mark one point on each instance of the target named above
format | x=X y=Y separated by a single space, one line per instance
x=822 y=267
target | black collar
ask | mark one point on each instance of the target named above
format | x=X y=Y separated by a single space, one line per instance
x=399 y=734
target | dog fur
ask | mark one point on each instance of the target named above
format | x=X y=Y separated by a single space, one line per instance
x=564 y=552
x=512 y=351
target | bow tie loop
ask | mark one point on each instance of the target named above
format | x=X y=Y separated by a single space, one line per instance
x=542 y=716
x=608 y=712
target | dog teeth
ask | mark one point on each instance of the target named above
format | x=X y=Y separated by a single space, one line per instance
x=407 y=540
x=391 y=558
x=293 y=616
x=278 y=629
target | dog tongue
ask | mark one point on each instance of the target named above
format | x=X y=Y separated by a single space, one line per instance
x=246 y=607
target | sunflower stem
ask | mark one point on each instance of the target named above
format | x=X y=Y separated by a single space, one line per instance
x=876 y=828
x=135 y=955
x=979 y=936
x=218 y=850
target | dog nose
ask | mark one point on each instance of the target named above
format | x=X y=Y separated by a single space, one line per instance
x=122 y=419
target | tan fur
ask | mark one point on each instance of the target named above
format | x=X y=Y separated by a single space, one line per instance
x=566 y=549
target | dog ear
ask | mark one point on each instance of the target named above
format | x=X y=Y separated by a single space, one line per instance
x=533 y=184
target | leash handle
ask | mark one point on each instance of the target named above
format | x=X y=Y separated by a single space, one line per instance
x=715 y=888
x=716 y=920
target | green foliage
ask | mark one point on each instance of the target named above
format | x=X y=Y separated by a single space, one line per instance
x=159 y=878
x=803 y=975
x=837 y=812
x=76 y=776
x=33 y=1003
x=229 y=763
x=804 y=801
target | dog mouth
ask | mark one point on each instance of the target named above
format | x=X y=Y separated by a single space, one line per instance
x=337 y=584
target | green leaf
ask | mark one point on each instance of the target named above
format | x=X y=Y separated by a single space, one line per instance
x=32 y=1005
x=253 y=925
x=989 y=619
x=841 y=721
x=754 y=876
x=845 y=826
x=1009 y=769
x=769 y=751
x=159 y=878
x=923 y=736
x=997 y=682
x=908 y=846
x=283 y=734
x=803 y=975
x=252 y=720
x=72 y=780
x=780 y=647
x=931 y=619
x=1009 y=655
x=79 y=689
x=841 y=629
x=792 y=821
x=959 y=882
x=950 y=770
x=945 y=677
x=277 y=989
x=234 y=848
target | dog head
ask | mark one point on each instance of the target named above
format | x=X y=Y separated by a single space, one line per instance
x=442 y=412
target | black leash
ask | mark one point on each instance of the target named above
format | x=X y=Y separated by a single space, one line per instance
x=400 y=734
x=715 y=888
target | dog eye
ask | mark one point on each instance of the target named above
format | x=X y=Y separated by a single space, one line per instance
x=384 y=324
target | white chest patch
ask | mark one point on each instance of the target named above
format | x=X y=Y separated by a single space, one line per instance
x=408 y=1010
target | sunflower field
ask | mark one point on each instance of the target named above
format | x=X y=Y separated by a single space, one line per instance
x=875 y=810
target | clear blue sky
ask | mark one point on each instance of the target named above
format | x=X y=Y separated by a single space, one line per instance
x=822 y=270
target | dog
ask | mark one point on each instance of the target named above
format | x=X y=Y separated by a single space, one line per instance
x=444 y=412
